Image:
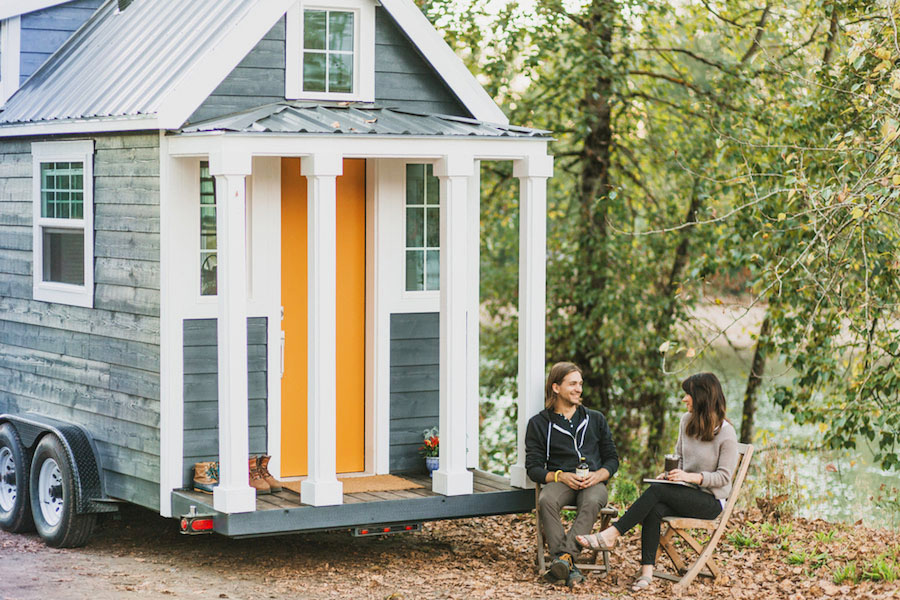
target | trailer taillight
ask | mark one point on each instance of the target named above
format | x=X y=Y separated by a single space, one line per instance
x=386 y=529
x=195 y=525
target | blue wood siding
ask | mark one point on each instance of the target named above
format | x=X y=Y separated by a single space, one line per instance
x=95 y=367
x=201 y=407
x=44 y=31
x=403 y=78
x=413 y=387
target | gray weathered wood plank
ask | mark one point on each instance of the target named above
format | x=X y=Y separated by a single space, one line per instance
x=119 y=271
x=104 y=323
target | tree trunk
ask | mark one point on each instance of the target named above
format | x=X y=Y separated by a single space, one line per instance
x=655 y=403
x=593 y=199
x=757 y=369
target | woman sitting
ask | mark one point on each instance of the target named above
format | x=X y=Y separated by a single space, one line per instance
x=708 y=455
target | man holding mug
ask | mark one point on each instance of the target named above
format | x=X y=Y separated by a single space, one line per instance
x=560 y=439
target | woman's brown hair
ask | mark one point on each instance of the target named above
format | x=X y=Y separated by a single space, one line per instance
x=708 y=406
x=558 y=372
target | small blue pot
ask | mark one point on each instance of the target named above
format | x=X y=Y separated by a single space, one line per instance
x=431 y=463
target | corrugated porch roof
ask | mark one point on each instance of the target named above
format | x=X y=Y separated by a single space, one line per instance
x=355 y=119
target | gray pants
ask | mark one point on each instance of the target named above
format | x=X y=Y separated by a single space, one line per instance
x=553 y=497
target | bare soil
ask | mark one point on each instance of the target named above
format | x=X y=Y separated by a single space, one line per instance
x=143 y=557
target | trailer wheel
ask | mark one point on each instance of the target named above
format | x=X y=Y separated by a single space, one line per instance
x=52 y=489
x=15 y=509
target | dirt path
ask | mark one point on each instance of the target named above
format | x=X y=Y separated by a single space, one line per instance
x=142 y=557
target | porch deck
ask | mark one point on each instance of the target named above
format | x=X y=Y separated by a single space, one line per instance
x=283 y=513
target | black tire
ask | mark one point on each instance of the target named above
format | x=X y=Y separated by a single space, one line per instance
x=58 y=523
x=15 y=508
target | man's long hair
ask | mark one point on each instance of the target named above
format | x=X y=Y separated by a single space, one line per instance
x=558 y=372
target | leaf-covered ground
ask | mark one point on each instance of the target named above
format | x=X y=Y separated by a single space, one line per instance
x=142 y=557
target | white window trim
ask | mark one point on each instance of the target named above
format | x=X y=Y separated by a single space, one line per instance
x=64 y=293
x=363 y=50
x=10 y=55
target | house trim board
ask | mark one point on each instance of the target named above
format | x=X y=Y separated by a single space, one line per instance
x=22 y=7
x=11 y=46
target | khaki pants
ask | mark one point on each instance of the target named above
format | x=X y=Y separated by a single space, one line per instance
x=553 y=497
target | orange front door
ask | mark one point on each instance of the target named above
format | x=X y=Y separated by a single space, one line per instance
x=349 y=370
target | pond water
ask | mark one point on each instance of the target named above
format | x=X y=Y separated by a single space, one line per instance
x=838 y=486
x=833 y=485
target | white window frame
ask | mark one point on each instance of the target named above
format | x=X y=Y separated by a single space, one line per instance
x=363 y=50
x=10 y=55
x=51 y=291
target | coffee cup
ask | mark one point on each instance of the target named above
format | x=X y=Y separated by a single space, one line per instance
x=672 y=462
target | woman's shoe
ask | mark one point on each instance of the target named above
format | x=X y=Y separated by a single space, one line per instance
x=593 y=541
x=641 y=583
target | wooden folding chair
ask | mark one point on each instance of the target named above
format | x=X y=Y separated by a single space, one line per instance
x=681 y=527
x=606 y=513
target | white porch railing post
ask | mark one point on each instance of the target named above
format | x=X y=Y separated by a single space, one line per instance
x=233 y=493
x=452 y=478
x=532 y=173
x=321 y=487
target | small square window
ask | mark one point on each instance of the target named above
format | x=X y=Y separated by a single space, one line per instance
x=209 y=259
x=63 y=222
x=330 y=50
x=423 y=227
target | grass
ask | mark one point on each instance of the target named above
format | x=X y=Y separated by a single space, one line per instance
x=823 y=537
x=740 y=539
x=881 y=568
x=845 y=574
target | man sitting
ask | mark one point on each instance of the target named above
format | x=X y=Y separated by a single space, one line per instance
x=560 y=438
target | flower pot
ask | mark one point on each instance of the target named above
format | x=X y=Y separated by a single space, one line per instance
x=431 y=463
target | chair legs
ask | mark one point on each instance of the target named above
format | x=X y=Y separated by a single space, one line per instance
x=703 y=560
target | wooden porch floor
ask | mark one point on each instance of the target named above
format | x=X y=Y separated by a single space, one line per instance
x=483 y=483
x=283 y=512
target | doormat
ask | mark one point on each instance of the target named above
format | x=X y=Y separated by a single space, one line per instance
x=372 y=483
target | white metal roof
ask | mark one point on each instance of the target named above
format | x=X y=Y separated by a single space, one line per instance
x=124 y=63
x=151 y=65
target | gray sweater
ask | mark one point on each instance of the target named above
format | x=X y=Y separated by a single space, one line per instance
x=715 y=460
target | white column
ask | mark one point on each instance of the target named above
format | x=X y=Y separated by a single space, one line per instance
x=452 y=478
x=321 y=487
x=473 y=353
x=233 y=494
x=532 y=173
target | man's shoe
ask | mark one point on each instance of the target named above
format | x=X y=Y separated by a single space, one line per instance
x=263 y=465
x=560 y=568
x=256 y=480
x=575 y=577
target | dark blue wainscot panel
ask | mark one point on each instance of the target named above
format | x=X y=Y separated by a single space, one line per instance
x=414 y=387
x=201 y=408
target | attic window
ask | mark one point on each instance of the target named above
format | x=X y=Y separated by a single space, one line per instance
x=330 y=51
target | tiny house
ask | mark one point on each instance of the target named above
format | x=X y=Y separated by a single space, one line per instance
x=244 y=227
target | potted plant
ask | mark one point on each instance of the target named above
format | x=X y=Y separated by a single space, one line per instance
x=430 y=450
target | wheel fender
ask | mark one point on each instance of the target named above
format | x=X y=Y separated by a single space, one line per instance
x=90 y=496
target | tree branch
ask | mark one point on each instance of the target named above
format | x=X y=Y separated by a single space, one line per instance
x=757 y=37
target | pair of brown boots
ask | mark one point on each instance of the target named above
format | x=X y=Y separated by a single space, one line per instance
x=260 y=478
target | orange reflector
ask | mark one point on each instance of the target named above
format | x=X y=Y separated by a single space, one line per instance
x=184 y=524
x=202 y=525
